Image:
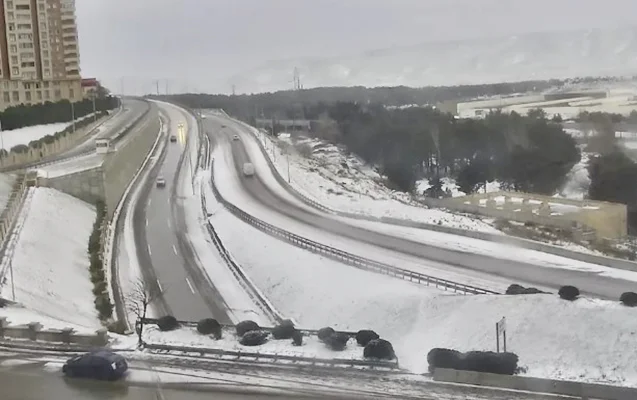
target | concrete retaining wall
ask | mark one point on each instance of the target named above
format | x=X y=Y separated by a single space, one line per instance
x=33 y=331
x=566 y=388
x=86 y=185
x=120 y=167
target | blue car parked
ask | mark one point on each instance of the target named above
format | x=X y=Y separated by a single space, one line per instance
x=102 y=365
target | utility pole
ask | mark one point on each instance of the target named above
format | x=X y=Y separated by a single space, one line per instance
x=93 y=96
x=157 y=85
x=73 y=115
x=234 y=90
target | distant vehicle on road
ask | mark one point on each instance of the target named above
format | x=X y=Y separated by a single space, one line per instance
x=160 y=182
x=223 y=126
x=102 y=365
x=235 y=137
x=173 y=138
x=248 y=169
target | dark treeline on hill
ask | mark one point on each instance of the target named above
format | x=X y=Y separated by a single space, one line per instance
x=47 y=113
x=310 y=103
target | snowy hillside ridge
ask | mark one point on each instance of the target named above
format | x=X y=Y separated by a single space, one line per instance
x=344 y=183
x=532 y=56
x=50 y=261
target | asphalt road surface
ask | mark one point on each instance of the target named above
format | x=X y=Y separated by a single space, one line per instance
x=132 y=109
x=39 y=385
x=187 y=293
x=517 y=272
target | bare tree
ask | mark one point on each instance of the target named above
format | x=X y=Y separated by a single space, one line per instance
x=140 y=297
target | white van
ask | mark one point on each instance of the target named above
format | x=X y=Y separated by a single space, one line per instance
x=248 y=169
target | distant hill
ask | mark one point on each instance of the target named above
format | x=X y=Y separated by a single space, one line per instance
x=533 y=56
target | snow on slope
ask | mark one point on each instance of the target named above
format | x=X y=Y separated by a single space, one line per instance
x=585 y=340
x=345 y=183
x=50 y=262
x=541 y=55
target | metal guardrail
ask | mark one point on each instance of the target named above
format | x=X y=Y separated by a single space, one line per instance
x=343 y=256
x=275 y=358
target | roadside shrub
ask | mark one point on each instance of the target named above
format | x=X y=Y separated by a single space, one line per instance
x=443 y=358
x=490 y=362
x=379 y=348
x=324 y=333
x=167 y=323
x=3 y=302
x=246 y=326
x=209 y=326
x=103 y=306
x=477 y=361
x=254 y=338
x=337 y=341
x=285 y=330
x=297 y=338
x=516 y=289
x=365 y=336
x=569 y=293
x=629 y=299
x=118 y=327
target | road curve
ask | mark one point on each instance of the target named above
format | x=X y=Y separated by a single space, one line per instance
x=164 y=246
x=518 y=272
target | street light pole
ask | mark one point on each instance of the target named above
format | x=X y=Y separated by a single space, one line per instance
x=73 y=115
x=94 y=109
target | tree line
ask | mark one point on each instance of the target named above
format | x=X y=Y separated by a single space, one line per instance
x=20 y=116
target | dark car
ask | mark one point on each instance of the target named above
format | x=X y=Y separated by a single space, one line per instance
x=173 y=138
x=102 y=365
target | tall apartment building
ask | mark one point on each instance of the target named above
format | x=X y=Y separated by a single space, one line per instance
x=39 y=52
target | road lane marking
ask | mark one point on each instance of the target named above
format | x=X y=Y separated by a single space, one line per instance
x=174 y=249
x=159 y=285
x=146 y=221
x=149 y=200
x=150 y=253
x=169 y=224
x=190 y=286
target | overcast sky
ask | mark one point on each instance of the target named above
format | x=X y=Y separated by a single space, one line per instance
x=198 y=44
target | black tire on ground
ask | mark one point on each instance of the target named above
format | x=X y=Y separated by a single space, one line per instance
x=365 y=336
x=324 y=333
x=379 y=348
x=254 y=338
x=246 y=326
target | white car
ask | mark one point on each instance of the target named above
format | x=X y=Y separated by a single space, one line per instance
x=160 y=182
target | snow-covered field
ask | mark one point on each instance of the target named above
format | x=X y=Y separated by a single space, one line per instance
x=27 y=134
x=50 y=262
x=345 y=183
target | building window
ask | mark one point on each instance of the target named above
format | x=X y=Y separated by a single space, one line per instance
x=39 y=95
x=46 y=84
x=28 y=96
x=6 y=85
x=12 y=27
x=57 y=94
x=7 y=97
x=15 y=71
x=10 y=5
x=14 y=59
x=14 y=84
x=10 y=16
x=71 y=93
x=27 y=85
x=47 y=95
x=13 y=48
x=16 y=96
x=12 y=37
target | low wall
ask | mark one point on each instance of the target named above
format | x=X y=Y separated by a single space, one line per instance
x=33 y=331
x=550 y=386
x=87 y=185
x=120 y=166
x=608 y=220
x=11 y=211
x=70 y=140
